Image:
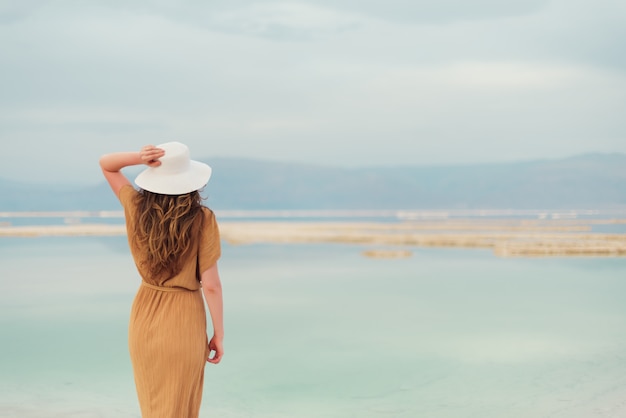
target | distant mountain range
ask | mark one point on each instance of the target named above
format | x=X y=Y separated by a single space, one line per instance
x=590 y=181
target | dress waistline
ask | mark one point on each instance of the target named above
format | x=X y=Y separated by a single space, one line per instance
x=167 y=289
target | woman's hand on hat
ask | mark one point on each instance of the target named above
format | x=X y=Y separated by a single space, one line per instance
x=150 y=155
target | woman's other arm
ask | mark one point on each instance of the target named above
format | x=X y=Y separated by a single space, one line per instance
x=111 y=164
x=212 y=289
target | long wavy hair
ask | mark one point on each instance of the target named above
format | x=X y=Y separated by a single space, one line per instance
x=166 y=227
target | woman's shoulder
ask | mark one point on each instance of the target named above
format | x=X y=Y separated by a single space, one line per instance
x=208 y=218
x=207 y=211
x=127 y=195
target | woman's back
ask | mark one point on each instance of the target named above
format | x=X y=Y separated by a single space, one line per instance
x=203 y=249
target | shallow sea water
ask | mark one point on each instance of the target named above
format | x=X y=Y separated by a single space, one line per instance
x=321 y=331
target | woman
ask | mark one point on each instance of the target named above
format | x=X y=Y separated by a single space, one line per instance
x=174 y=241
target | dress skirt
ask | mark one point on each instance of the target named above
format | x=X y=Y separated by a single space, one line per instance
x=168 y=349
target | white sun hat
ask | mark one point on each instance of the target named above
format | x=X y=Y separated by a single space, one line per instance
x=177 y=174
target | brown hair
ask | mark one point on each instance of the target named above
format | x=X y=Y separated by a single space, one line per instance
x=166 y=227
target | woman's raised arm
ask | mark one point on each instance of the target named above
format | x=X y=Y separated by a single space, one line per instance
x=111 y=164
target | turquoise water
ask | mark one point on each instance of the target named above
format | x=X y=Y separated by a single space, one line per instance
x=321 y=331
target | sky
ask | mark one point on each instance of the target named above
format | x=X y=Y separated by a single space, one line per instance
x=344 y=82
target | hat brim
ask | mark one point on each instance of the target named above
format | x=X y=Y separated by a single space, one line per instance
x=195 y=178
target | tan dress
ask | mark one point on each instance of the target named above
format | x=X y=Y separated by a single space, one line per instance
x=167 y=332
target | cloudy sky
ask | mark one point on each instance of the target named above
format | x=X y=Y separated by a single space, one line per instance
x=339 y=82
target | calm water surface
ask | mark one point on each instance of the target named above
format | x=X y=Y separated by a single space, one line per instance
x=321 y=331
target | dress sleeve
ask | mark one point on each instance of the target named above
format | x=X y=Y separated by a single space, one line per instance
x=209 y=250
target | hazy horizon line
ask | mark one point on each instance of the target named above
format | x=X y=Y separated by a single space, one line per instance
x=73 y=183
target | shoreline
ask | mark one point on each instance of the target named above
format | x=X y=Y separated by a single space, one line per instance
x=507 y=238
